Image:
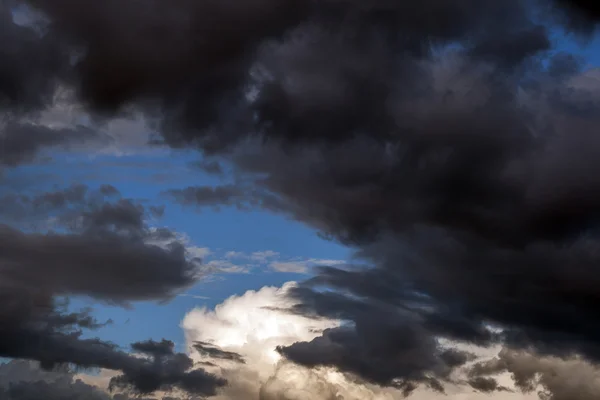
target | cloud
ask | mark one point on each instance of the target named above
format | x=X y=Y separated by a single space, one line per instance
x=22 y=141
x=250 y=326
x=301 y=266
x=35 y=328
x=468 y=215
x=443 y=141
x=254 y=324
x=555 y=378
x=22 y=380
x=105 y=251
x=268 y=259
x=101 y=247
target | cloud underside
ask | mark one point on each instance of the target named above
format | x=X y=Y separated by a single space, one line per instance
x=447 y=143
x=97 y=245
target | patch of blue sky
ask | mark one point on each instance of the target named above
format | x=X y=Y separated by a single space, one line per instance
x=243 y=245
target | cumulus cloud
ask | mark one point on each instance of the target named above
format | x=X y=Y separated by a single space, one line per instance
x=250 y=325
x=254 y=324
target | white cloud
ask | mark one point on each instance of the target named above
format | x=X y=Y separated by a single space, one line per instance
x=290 y=266
x=199 y=252
x=240 y=262
x=227 y=267
x=263 y=256
x=234 y=254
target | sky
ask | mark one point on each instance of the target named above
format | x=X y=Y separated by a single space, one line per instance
x=286 y=200
x=242 y=244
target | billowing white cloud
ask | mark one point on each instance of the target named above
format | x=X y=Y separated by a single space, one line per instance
x=253 y=325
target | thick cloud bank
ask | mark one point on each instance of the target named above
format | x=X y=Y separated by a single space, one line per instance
x=98 y=245
x=452 y=144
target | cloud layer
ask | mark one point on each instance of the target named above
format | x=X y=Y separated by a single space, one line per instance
x=447 y=142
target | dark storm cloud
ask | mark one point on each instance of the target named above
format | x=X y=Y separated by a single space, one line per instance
x=581 y=15
x=484 y=384
x=462 y=176
x=166 y=370
x=30 y=65
x=198 y=59
x=191 y=56
x=24 y=380
x=395 y=354
x=99 y=246
x=35 y=327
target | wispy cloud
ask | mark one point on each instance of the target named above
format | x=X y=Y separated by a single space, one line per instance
x=194 y=296
x=301 y=266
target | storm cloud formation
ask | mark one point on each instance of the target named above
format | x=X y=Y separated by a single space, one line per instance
x=444 y=140
x=96 y=245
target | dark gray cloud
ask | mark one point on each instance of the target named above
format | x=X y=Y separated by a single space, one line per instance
x=35 y=327
x=192 y=57
x=165 y=370
x=31 y=64
x=22 y=142
x=104 y=250
x=461 y=176
x=199 y=67
x=463 y=179
x=484 y=384
x=581 y=15
x=25 y=380
x=554 y=378
x=100 y=246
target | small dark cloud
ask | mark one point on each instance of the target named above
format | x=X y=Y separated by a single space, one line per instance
x=25 y=380
x=108 y=254
x=484 y=384
x=22 y=142
x=34 y=327
x=211 y=351
x=166 y=370
x=382 y=345
x=153 y=348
